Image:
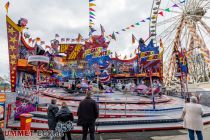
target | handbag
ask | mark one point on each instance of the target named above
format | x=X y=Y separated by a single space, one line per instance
x=63 y=127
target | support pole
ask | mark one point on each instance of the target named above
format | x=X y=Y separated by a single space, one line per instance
x=151 y=83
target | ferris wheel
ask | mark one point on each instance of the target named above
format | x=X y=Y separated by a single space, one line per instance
x=185 y=25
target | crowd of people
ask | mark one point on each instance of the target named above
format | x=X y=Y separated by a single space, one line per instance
x=88 y=112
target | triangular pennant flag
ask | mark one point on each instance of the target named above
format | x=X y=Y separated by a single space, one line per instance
x=182 y=1
x=123 y=30
x=113 y=36
x=148 y=18
x=137 y=23
x=7 y=6
x=167 y=10
x=90 y=20
x=117 y=32
x=92 y=29
x=92 y=17
x=132 y=26
x=143 y=21
x=91 y=0
x=161 y=13
x=154 y=17
x=91 y=23
x=91 y=4
x=79 y=38
x=175 y=5
x=133 y=39
x=128 y=28
x=102 y=30
x=91 y=9
x=91 y=13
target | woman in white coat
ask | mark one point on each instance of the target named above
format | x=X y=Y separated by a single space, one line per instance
x=192 y=116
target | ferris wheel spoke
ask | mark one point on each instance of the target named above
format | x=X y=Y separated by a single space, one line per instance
x=205 y=26
x=205 y=5
x=168 y=30
x=168 y=20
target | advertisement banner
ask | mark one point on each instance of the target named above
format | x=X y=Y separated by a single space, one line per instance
x=2 y=108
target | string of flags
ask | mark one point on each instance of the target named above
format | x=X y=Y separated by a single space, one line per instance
x=148 y=19
x=91 y=16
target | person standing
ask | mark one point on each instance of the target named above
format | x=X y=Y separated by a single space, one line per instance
x=192 y=116
x=1 y=134
x=64 y=115
x=87 y=113
x=52 y=110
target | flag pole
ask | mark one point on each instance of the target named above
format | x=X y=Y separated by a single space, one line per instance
x=151 y=83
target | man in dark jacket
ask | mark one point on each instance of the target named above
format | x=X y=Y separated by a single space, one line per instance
x=52 y=110
x=87 y=114
x=1 y=134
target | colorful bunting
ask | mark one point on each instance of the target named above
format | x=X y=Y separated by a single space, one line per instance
x=149 y=18
x=133 y=39
x=113 y=36
x=182 y=1
x=161 y=13
x=67 y=39
x=79 y=38
x=167 y=10
x=91 y=4
x=137 y=23
x=92 y=29
x=91 y=9
x=91 y=13
x=62 y=39
x=175 y=5
x=92 y=17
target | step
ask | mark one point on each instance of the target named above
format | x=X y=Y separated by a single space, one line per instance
x=114 y=128
x=107 y=129
x=42 y=114
x=114 y=110
x=120 y=121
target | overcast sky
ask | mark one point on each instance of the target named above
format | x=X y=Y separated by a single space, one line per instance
x=70 y=17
